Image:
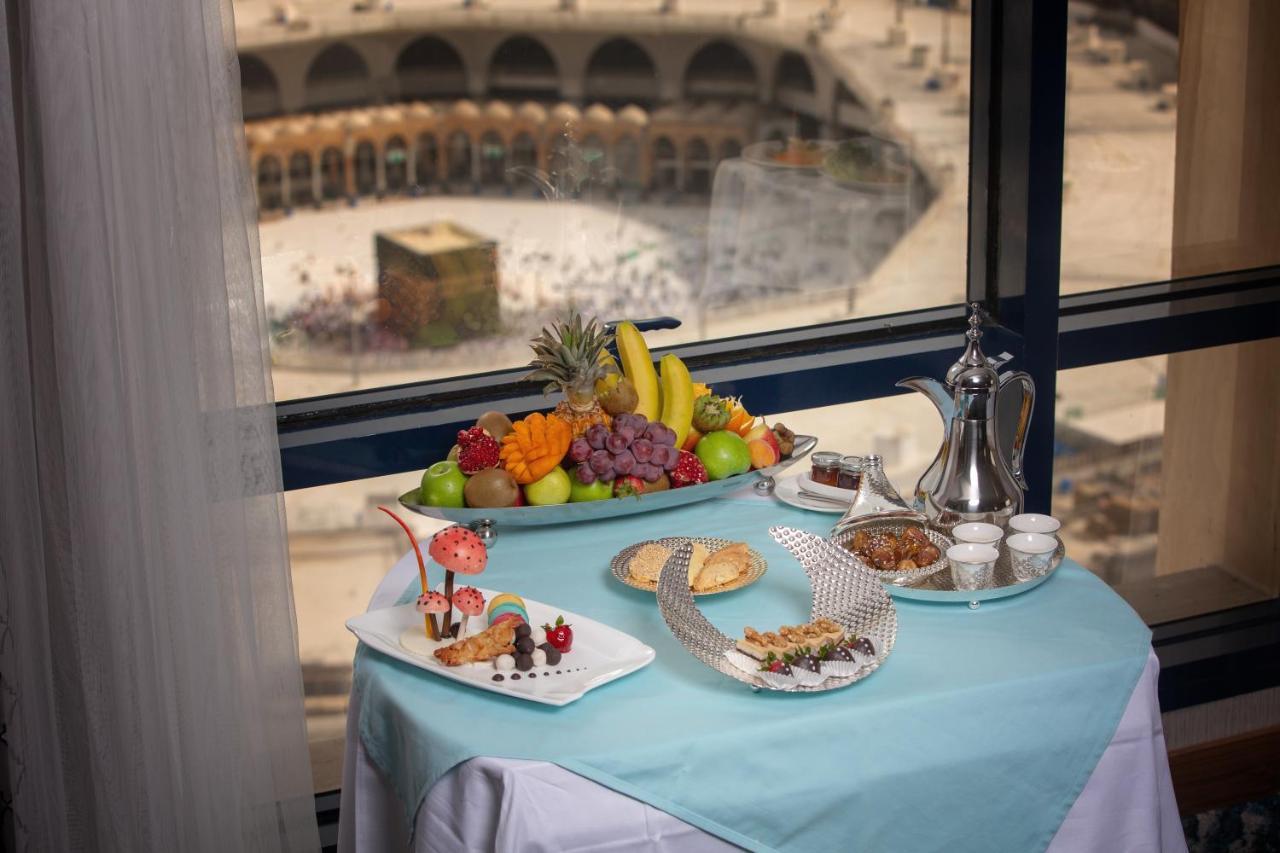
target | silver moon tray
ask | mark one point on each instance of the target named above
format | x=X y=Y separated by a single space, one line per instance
x=940 y=588
x=842 y=590
x=484 y=520
x=620 y=564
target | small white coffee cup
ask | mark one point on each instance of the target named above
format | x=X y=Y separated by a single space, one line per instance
x=1032 y=523
x=1030 y=554
x=972 y=565
x=977 y=532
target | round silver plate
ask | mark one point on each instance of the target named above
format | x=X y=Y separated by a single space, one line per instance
x=842 y=590
x=896 y=578
x=939 y=587
x=620 y=562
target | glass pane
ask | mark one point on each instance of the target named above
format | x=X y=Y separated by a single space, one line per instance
x=429 y=198
x=1168 y=170
x=1164 y=477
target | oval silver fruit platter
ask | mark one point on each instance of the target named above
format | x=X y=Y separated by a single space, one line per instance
x=483 y=521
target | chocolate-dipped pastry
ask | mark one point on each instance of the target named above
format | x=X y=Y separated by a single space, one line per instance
x=864 y=646
x=524 y=662
x=553 y=654
x=524 y=645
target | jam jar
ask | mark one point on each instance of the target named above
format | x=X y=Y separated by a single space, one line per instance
x=850 y=474
x=826 y=468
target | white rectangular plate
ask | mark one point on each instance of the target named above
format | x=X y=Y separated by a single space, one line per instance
x=600 y=654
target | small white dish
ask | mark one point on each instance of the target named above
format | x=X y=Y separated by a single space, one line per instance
x=972 y=565
x=1033 y=523
x=978 y=533
x=794 y=491
x=1030 y=554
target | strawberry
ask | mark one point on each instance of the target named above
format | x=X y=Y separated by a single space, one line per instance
x=560 y=636
x=688 y=471
x=773 y=664
x=477 y=450
x=628 y=485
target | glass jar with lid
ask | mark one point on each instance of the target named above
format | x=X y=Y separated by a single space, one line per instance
x=850 y=473
x=825 y=468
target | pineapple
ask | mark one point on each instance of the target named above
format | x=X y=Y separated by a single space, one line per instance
x=567 y=357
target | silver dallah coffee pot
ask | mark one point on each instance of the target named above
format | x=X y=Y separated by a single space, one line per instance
x=970 y=479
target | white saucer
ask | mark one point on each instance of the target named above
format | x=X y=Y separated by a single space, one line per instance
x=787 y=490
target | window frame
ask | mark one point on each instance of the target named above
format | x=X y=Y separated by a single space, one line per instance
x=1017 y=127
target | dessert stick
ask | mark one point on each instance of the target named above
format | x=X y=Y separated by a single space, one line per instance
x=428 y=620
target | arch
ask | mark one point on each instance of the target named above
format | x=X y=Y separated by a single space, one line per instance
x=621 y=72
x=493 y=158
x=366 y=168
x=430 y=67
x=333 y=174
x=666 y=165
x=793 y=72
x=523 y=67
x=626 y=159
x=458 y=157
x=524 y=151
x=300 y=179
x=337 y=77
x=426 y=159
x=730 y=148
x=259 y=89
x=270 y=183
x=720 y=69
x=395 y=158
x=697 y=160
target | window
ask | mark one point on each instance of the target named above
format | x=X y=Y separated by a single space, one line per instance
x=958 y=119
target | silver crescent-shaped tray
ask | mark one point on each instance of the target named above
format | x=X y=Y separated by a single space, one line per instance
x=536 y=516
x=842 y=590
x=939 y=587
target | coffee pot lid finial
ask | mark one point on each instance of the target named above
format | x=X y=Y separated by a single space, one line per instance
x=973 y=355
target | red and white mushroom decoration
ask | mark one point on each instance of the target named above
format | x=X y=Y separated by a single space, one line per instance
x=470 y=602
x=431 y=603
x=457 y=549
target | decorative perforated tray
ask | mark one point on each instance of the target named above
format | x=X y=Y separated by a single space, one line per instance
x=619 y=565
x=842 y=590
x=898 y=578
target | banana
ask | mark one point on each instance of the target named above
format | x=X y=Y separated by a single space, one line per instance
x=637 y=365
x=677 y=397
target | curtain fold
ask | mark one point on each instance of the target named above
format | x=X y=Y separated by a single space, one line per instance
x=149 y=680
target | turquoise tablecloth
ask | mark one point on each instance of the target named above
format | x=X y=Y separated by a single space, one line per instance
x=977 y=734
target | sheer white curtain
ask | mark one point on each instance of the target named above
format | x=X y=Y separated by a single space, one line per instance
x=149 y=678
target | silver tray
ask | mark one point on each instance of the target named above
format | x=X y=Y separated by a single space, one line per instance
x=618 y=565
x=484 y=521
x=842 y=591
x=939 y=587
x=896 y=578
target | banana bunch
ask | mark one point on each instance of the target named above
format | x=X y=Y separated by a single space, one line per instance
x=669 y=401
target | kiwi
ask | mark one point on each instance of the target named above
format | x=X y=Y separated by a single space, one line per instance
x=492 y=487
x=495 y=423
x=659 y=485
x=622 y=398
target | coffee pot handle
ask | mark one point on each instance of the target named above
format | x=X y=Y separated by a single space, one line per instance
x=1024 y=421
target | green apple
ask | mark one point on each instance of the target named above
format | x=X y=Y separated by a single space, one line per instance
x=554 y=488
x=597 y=491
x=723 y=454
x=442 y=484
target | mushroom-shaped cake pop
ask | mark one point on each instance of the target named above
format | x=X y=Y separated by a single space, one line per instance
x=470 y=603
x=457 y=549
x=431 y=603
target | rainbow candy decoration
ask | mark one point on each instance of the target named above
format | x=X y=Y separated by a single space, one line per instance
x=507 y=605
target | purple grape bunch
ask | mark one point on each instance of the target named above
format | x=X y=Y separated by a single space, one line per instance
x=635 y=446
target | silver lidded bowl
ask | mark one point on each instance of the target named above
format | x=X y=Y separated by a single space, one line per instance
x=885 y=524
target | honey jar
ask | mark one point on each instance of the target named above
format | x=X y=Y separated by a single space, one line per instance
x=826 y=468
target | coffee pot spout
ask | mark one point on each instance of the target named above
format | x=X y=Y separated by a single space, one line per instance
x=937 y=393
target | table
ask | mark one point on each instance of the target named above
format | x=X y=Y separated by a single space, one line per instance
x=503 y=804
